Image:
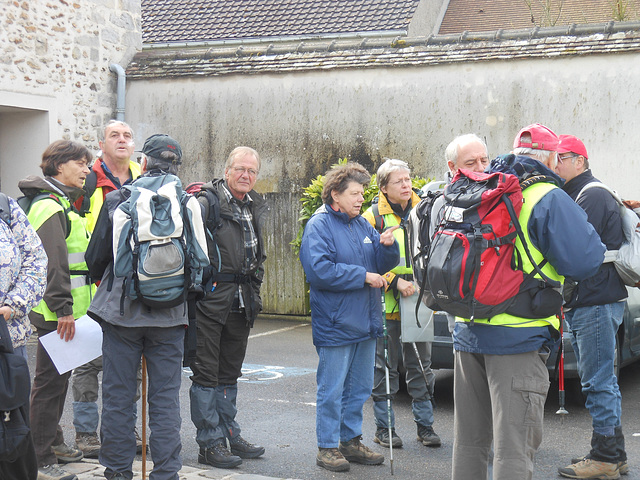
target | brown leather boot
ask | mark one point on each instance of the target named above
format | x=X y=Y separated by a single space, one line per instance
x=332 y=459
x=355 y=451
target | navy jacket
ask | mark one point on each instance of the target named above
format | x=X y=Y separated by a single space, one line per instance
x=603 y=213
x=336 y=253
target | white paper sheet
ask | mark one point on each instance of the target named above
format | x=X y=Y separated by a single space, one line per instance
x=85 y=346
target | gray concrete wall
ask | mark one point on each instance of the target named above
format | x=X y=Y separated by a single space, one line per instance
x=301 y=123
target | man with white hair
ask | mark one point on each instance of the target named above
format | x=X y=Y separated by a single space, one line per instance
x=501 y=361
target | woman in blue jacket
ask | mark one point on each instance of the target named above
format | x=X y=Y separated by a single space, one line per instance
x=343 y=257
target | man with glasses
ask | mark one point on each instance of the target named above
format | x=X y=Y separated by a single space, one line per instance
x=227 y=312
x=594 y=312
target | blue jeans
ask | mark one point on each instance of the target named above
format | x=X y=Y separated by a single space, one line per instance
x=122 y=349
x=593 y=338
x=345 y=381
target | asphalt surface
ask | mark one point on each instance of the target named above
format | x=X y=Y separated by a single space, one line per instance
x=276 y=405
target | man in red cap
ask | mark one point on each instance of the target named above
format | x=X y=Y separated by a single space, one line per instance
x=538 y=142
x=594 y=312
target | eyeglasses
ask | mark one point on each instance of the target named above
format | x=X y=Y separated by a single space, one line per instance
x=402 y=181
x=566 y=157
x=241 y=171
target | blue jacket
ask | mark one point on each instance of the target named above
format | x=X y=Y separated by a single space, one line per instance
x=336 y=253
x=561 y=232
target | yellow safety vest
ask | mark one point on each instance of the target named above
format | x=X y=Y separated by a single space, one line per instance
x=77 y=242
x=531 y=196
x=390 y=220
x=97 y=199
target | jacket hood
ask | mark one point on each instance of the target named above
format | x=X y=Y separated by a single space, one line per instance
x=523 y=167
x=33 y=184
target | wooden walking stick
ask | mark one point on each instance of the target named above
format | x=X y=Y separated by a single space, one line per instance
x=144 y=418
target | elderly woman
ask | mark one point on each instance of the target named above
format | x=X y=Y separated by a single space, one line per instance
x=64 y=235
x=344 y=258
x=395 y=201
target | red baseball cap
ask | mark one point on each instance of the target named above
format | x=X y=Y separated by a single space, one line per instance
x=536 y=136
x=569 y=143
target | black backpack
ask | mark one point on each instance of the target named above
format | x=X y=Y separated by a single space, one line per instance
x=14 y=400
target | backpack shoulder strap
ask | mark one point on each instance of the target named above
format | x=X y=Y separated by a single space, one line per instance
x=604 y=187
x=213 y=213
x=90 y=185
x=5 y=209
x=379 y=219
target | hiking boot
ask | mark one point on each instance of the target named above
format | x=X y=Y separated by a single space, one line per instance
x=66 y=454
x=591 y=469
x=623 y=466
x=355 y=451
x=88 y=444
x=54 y=472
x=427 y=436
x=218 y=456
x=244 y=449
x=382 y=437
x=139 y=442
x=332 y=459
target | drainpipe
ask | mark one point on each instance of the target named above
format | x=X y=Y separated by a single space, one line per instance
x=122 y=78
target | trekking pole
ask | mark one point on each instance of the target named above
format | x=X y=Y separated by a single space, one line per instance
x=144 y=418
x=561 y=411
x=424 y=372
x=386 y=376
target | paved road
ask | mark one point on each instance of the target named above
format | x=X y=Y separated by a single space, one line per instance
x=276 y=404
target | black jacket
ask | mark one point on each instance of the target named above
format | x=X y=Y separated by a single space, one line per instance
x=604 y=214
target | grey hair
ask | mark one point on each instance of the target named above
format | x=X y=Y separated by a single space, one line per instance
x=387 y=168
x=169 y=163
x=240 y=152
x=535 y=153
x=451 y=153
x=112 y=123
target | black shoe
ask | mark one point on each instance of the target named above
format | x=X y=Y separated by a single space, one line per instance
x=244 y=449
x=382 y=437
x=427 y=436
x=218 y=456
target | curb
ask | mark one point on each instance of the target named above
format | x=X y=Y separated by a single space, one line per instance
x=90 y=469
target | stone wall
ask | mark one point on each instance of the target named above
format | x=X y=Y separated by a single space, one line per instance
x=60 y=51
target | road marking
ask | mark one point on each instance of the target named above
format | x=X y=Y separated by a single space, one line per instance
x=277 y=400
x=280 y=330
x=252 y=373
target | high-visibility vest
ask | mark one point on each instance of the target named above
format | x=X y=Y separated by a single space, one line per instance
x=77 y=242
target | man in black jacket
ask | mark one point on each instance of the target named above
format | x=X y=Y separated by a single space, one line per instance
x=226 y=315
x=594 y=312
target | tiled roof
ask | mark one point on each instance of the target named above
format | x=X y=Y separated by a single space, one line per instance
x=203 y=20
x=491 y=15
x=543 y=43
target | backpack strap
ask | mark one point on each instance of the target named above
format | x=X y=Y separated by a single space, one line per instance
x=5 y=209
x=90 y=185
x=379 y=219
x=212 y=223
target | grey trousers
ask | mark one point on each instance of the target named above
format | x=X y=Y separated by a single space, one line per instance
x=498 y=398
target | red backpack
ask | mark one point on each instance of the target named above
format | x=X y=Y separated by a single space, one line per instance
x=472 y=266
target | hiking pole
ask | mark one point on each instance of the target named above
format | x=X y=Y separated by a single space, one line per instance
x=561 y=411
x=386 y=376
x=144 y=418
x=424 y=373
